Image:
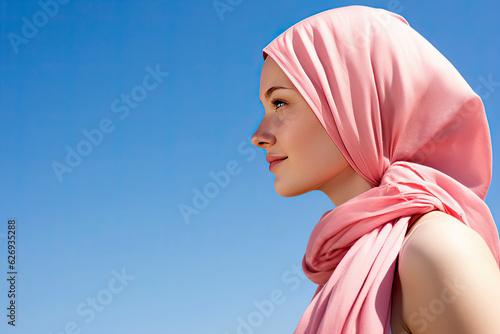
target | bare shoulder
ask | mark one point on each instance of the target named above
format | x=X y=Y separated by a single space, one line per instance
x=450 y=281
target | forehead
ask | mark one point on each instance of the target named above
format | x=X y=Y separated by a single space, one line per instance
x=272 y=75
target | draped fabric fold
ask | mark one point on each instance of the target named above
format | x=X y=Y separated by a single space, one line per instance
x=409 y=124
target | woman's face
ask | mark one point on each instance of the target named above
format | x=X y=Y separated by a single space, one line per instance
x=290 y=129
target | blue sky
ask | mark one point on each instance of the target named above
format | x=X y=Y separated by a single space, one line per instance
x=114 y=114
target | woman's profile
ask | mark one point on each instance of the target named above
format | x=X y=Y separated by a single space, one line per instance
x=361 y=107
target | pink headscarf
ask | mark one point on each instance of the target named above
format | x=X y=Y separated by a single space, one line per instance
x=409 y=124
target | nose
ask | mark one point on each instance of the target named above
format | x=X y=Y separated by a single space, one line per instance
x=263 y=137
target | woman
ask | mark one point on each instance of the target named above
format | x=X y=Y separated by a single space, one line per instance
x=363 y=108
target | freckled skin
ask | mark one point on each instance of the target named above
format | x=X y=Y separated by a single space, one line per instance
x=290 y=128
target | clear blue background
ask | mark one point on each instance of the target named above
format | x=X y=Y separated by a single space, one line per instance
x=119 y=208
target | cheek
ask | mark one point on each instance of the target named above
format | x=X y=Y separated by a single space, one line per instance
x=319 y=156
x=300 y=134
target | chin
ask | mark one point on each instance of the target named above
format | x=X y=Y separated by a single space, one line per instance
x=288 y=190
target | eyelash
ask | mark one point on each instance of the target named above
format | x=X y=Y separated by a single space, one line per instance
x=276 y=102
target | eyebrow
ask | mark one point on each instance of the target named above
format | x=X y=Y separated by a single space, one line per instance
x=271 y=90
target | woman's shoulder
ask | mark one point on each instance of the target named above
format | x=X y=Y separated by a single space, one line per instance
x=437 y=237
x=431 y=230
x=447 y=272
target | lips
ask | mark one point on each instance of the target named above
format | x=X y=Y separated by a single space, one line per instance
x=270 y=157
x=274 y=160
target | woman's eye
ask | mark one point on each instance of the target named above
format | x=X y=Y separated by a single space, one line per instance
x=278 y=103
